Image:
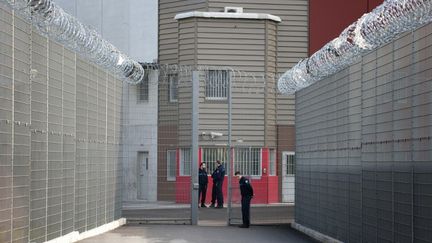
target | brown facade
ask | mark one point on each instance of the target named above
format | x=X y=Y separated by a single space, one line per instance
x=285 y=142
x=167 y=140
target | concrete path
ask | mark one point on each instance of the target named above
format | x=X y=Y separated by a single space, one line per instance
x=200 y=234
x=275 y=214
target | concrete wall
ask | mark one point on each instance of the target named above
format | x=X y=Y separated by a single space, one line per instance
x=140 y=135
x=60 y=159
x=364 y=147
x=131 y=25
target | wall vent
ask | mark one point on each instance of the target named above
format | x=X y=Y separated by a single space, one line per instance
x=233 y=10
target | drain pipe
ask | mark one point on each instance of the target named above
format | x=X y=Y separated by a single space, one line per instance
x=53 y=22
x=384 y=24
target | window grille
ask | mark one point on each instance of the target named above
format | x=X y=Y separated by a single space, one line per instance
x=185 y=161
x=173 y=87
x=210 y=155
x=143 y=89
x=290 y=164
x=272 y=162
x=217 y=84
x=248 y=161
x=171 y=165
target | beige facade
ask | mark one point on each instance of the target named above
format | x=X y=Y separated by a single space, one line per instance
x=291 y=38
x=216 y=44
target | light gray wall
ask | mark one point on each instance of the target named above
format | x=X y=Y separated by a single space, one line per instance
x=364 y=147
x=140 y=135
x=131 y=25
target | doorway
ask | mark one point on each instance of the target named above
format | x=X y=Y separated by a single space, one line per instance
x=288 y=176
x=142 y=175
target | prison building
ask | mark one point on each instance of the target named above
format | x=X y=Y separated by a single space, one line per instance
x=258 y=48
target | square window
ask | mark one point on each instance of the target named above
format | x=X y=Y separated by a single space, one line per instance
x=143 y=89
x=171 y=165
x=185 y=161
x=217 y=84
x=248 y=161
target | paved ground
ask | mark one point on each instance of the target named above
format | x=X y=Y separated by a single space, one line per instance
x=199 y=234
x=148 y=223
x=260 y=214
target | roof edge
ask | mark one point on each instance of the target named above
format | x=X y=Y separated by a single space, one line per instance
x=223 y=15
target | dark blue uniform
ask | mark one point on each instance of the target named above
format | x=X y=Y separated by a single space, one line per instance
x=218 y=179
x=246 y=191
x=203 y=181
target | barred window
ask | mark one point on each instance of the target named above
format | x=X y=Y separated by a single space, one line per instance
x=272 y=162
x=185 y=161
x=248 y=161
x=217 y=84
x=290 y=164
x=210 y=155
x=173 y=87
x=171 y=165
x=143 y=89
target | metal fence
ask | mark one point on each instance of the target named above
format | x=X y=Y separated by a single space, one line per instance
x=363 y=147
x=59 y=138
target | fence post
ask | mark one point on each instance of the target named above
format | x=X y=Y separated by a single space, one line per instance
x=194 y=174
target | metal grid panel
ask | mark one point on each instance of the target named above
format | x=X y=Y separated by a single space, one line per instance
x=111 y=146
x=101 y=143
x=118 y=176
x=21 y=132
x=55 y=133
x=39 y=140
x=6 y=101
x=92 y=153
x=69 y=131
x=55 y=148
x=369 y=179
x=81 y=145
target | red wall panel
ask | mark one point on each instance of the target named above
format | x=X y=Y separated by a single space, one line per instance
x=327 y=19
x=266 y=188
x=373 y=4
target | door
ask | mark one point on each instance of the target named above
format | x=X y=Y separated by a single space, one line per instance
x=288 y=176
x=143 y=178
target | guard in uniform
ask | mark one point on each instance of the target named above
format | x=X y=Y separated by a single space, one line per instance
x=203 y=181
x=246 y=191
x=218 y=176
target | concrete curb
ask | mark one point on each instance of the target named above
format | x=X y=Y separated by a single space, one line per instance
x=314 y=234
x=76 y=236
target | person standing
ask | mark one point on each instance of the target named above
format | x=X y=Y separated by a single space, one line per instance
x=203 y=181
x=246 y=192
x=218 y=176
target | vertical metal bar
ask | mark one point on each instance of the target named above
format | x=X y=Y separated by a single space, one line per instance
x=229 y=164
x=393 y=146
x=194 y=176
x=412 y=141
x=12 y=128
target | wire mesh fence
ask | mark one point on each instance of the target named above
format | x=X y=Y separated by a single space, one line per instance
x=363 y=146
x=60 y=137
